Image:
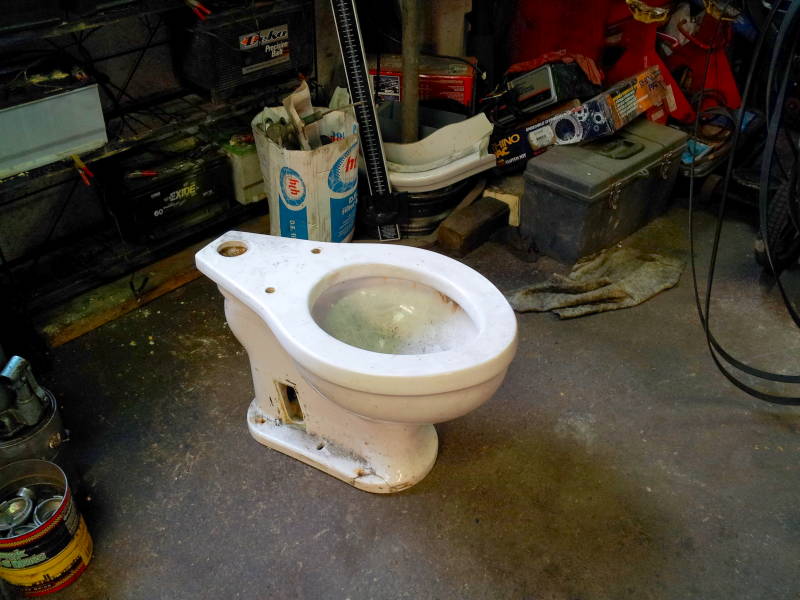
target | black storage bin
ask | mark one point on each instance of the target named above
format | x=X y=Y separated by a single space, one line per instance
x=581 y=199
x=235 y=47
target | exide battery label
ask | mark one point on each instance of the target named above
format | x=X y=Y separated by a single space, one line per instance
x=273 y=42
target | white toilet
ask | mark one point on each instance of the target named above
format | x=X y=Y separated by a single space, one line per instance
x=357 y=349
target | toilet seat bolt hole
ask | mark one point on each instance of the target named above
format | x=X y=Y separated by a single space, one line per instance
x=270 y=290
x=231 y=249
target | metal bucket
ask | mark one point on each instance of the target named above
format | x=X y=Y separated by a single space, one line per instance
x=54 y=553
x=43 y=440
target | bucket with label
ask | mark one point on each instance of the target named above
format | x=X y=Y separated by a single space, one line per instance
x=44 y=542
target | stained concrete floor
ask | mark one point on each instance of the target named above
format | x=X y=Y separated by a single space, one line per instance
x=614 y=462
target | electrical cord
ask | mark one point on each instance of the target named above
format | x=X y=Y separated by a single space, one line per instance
x=718 y=353
x=767 y=161
x=53 y=225
x=88 y=64
x=794 y=207
x=152 y=30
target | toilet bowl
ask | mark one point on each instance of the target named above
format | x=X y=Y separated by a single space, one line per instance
x=356 y=350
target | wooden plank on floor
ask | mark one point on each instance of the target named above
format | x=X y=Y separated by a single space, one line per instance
x=465 y=230
x=96 y=307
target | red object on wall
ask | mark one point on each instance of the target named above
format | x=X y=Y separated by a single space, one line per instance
x=576 y=26
x=711 y=36
x=639 y=43
x=587 y=27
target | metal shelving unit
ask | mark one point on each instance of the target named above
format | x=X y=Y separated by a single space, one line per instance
x=105 y=13
x=72 y=264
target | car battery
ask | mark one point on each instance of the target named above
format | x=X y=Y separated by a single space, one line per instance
x=241 y=46
x=581 y=199
x=163 y=198
x=440 y=78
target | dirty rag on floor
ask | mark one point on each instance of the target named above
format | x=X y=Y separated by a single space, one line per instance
x=644 y=264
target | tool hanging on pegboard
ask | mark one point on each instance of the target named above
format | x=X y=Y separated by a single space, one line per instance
x=383 y=207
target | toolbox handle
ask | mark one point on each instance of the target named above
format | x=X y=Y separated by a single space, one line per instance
x=620 y=149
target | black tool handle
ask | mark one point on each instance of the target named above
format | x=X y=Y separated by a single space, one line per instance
x=355 y=67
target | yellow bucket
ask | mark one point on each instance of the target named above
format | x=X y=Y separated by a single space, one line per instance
x=53 y=554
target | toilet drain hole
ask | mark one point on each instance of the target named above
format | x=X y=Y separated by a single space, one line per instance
x=320 y=446
x=290 y=405
x=232 y=248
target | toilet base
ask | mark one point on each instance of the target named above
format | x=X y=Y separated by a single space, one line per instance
x=403 y=461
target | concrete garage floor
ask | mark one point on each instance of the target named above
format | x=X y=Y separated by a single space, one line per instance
x=614 y=462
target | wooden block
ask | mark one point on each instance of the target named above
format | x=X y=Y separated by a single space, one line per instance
x=469 y=228
x=97 y=307
x=510 y=190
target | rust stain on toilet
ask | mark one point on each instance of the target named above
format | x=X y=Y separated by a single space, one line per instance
x=454 y=306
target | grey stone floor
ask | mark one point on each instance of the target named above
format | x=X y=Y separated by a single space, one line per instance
x=614 y=462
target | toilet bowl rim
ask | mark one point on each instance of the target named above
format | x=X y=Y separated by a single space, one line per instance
x=288 y=313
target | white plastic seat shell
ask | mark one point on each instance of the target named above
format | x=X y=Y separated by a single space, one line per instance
x=297 y=276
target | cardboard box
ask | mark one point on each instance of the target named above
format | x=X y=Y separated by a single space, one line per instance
x=439 y=78
x=511 y=146
x=604 y=114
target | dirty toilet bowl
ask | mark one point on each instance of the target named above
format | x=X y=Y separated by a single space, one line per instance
x=357 y=349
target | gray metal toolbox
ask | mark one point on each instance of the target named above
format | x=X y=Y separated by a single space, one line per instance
x=581 y=199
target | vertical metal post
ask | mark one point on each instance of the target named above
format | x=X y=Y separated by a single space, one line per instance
x=409 y=107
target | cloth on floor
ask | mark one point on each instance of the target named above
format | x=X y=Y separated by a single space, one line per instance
x=644 y=264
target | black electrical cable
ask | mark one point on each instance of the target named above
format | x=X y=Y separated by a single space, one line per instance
x=88 y=64
x=794 y=201
x=746 y=368
x=769 y=150
x=152 y=33
x=7 y=269
x=714 y=346
x=135 y=290
x=481 y=73
x=53 y=225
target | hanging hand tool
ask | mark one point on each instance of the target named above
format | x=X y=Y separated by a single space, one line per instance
x=383 y=208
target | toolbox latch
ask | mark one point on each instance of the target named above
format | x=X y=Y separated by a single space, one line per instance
x=666 y=163
x=613 y=195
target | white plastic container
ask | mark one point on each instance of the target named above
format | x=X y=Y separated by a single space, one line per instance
x=52 y=128
x=248 y=183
